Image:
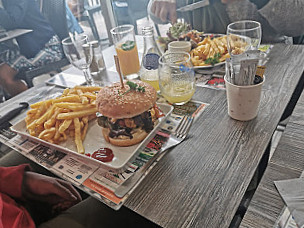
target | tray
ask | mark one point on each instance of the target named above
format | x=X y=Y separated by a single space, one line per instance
x=95 y=140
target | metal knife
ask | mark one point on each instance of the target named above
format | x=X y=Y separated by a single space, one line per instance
x=194 y=6
x=12 y=114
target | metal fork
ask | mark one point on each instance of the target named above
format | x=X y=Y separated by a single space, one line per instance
x=180 y=133
x=177 y=137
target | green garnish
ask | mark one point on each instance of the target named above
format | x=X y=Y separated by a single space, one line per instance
x=128 y=45
x=135 y=87
x=214 y=60
x=264 y=48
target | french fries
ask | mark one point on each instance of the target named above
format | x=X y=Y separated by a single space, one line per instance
x=238 y=44
x=56 y=119
x=208 y=49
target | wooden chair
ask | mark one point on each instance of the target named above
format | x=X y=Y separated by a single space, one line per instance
x=90 y=8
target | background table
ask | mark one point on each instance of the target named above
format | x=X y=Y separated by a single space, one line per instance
x=201 y=182
x=287 y=163
x=11 y=34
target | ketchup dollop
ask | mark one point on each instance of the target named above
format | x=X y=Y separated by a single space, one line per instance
x=103 y=154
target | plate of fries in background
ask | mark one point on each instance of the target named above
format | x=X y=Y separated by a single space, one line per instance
x=210 y=52
x=68 y=123
x=207 y=50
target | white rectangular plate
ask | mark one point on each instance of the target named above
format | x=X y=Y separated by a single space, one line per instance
x=95 y=140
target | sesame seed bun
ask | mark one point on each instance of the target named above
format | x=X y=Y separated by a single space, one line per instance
x=115 y=102
x=137 y=138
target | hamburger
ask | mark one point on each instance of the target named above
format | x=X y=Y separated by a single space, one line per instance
x=128 y=114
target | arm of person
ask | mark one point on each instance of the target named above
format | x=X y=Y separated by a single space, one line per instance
x=281 y=17
x=13 y=14
x=24 y=184
x=161 y=11
x=286 y=17
x=54 y=191
x=11 y=179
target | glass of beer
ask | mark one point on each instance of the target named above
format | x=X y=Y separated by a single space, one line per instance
x=176 y=77
x=126 y=49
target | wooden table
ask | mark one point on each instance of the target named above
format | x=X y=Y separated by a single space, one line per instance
x=11 y=34
x=287 y=163
x=201 y=182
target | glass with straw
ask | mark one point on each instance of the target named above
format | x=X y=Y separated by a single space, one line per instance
x=126 y=49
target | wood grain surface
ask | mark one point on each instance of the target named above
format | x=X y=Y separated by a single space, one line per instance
x=287 y=163
x=201 y=182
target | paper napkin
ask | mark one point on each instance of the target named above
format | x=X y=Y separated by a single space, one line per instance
x=292 y=192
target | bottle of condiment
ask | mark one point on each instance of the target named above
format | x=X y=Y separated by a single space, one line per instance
x=97 y=64
x=149 y=64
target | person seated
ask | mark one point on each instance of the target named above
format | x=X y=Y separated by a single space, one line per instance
x=19 y=185
x=45 y=201
x=280 y=20
x=37 y=48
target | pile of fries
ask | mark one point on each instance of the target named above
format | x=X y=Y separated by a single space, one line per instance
x=208 y=48
x=54 y=120
x=238 y=44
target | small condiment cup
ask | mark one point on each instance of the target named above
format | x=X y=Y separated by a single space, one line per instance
x=243 y=101
x=179 y=46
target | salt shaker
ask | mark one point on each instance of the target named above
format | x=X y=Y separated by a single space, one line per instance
x=97 y=64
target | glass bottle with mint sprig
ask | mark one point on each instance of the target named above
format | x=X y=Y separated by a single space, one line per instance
x=149 y=65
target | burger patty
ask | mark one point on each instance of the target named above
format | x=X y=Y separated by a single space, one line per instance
x=125 y=126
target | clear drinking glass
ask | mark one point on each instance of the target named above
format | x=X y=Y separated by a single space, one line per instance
x=176 y=77
x=126 y=49
x=243 y=36
x=78 y=51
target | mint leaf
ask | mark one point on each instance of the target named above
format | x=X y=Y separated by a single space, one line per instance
x=128 y=45
x=214 y=60
x=134 y=86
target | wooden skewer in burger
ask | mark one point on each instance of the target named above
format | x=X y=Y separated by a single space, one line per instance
x=127 y=113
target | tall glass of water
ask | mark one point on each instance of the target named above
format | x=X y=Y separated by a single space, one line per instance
x=243 y=41
x=243 y=36
x=78 y=51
